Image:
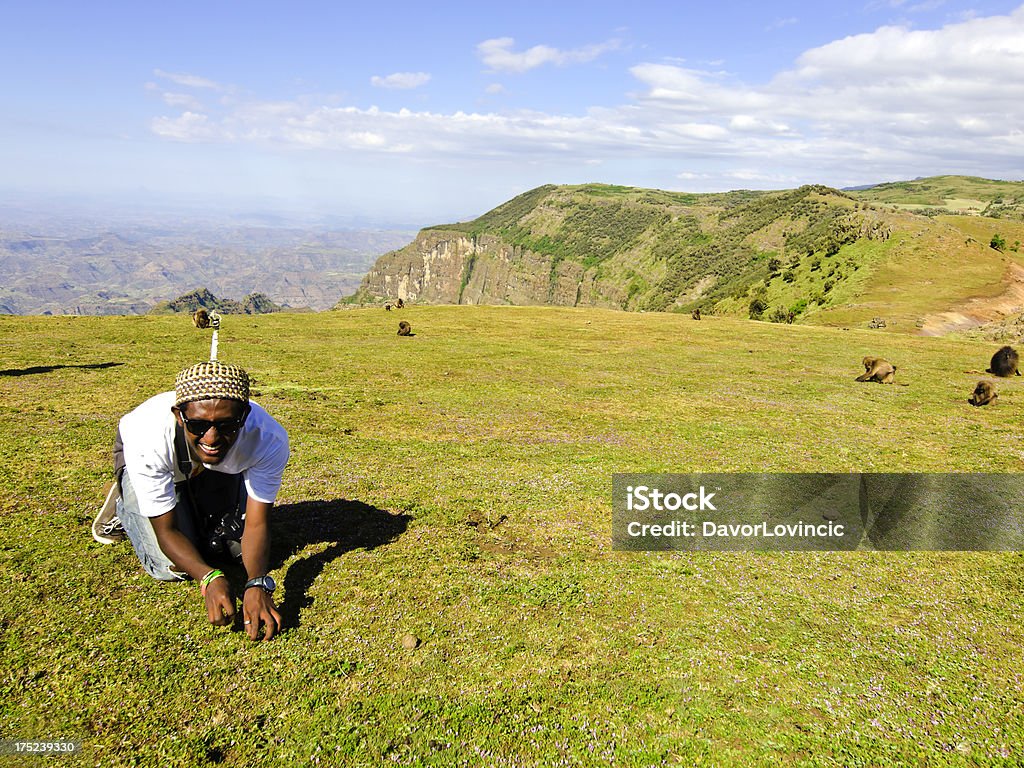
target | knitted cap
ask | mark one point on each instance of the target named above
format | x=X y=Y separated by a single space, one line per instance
x=211 y=381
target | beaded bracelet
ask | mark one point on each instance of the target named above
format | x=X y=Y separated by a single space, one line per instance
x=214 y=574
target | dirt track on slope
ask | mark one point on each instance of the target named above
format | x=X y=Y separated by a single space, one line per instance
x=980 y=311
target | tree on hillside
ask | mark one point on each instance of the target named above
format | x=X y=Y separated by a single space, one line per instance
x=757 y=308
x=998 y=242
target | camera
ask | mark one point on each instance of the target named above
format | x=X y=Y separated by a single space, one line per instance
x=225 y=539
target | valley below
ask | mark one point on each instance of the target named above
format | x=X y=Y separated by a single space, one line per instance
x=73 y=267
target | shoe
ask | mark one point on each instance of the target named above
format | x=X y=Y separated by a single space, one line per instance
x=107 y=528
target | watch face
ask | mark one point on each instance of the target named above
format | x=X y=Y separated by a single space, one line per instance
x=263 y=582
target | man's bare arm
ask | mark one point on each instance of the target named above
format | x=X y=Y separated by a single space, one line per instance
x=257 y=604
x=220 y=602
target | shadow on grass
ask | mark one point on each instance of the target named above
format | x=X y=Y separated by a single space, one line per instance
x=346 y=525
x=50 y=368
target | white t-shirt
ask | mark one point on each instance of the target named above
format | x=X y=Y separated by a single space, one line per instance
x=259 y=453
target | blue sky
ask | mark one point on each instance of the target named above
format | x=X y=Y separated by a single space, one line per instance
x=420 y=113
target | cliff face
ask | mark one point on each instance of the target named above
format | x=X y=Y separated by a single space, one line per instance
x=428 y=269
x=446 y=267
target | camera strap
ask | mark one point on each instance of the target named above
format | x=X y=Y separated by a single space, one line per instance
x=181 y=452
x=200 y=515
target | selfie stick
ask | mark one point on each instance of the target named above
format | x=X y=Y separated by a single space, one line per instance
x=215 y=324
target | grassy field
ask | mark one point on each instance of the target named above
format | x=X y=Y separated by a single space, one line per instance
x=924 y=272
x=456 y=485
x=955 y=193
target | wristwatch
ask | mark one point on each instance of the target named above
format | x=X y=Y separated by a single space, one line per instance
x=266 y=583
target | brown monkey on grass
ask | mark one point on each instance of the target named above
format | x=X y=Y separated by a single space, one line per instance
x=399 y=304
x=984 y=394
x=695 y=314
x=404 y=329
x=1004 y=363
x=877 y=369
x=201 y=318
x=870 y=362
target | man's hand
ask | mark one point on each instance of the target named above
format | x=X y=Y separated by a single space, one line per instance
x=220 y=602
x=258 y=608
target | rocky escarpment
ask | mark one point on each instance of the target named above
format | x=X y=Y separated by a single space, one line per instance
x=446 y=267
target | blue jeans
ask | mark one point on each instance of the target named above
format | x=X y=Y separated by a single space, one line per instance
x=214 y=499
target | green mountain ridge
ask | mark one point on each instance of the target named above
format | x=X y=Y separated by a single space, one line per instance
x=812 y=254
x=951 y=195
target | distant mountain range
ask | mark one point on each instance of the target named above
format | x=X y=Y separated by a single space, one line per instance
x=65 y=266
x=902 y=250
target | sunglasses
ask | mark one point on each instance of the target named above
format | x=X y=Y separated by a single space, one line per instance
x=200 y=427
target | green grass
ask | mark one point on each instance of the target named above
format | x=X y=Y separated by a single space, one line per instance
x=951 y=194
x=937 y=190
x=456 y=485
x=982 y=228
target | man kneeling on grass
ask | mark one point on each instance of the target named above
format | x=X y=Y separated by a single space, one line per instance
x=199 y=469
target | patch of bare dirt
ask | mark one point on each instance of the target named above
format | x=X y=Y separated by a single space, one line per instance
x=978 y=312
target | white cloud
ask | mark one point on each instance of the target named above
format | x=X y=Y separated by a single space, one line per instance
x=780 y=23
x=978 y=49
x=894 y=102
x=753 y=124
x=190 y=127
x=494 y=88
x=188 y=81
x=181 y=101
x=498 y=55
x=759 y=177
x=401 y=80
x=696 y=90
x=925 y=5
x=892 y=96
